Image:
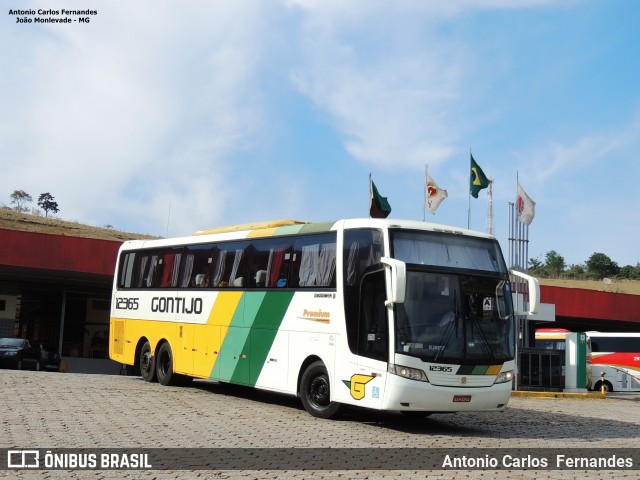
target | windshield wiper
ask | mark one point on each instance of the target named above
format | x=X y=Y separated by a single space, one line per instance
x=451 y=327
x=486 y=347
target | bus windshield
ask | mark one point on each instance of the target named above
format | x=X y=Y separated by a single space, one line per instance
x=448 y=251
x=458 y=302
x=455 y=319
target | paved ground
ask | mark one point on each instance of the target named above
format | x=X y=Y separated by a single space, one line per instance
x=55 y=410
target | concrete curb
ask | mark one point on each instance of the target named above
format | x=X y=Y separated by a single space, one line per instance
x=577 y=396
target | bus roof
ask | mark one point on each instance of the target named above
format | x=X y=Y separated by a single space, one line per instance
x=291 y=227
x=251 y=226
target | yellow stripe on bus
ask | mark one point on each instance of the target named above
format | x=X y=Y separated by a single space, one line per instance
x=224 y=308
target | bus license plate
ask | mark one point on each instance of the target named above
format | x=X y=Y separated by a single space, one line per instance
x=461 y=398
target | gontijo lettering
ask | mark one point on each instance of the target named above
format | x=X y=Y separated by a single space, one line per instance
x=176 y=305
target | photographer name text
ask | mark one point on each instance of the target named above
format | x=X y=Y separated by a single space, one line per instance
x=54 y=16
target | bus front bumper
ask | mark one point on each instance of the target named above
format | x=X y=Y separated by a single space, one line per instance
x=406 y=394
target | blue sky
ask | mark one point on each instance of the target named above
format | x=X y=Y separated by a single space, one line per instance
x=166 y=118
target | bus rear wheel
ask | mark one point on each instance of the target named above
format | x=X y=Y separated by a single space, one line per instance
x=147 y=363
x=315 y=392
x=164 y=365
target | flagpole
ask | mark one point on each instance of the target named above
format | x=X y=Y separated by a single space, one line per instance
x=424 y=187
x=370 y=196
x=469 y=207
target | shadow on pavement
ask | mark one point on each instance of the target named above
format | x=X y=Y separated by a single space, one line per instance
x=515 y=422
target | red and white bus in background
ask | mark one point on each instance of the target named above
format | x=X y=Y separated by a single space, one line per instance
x=618 y=356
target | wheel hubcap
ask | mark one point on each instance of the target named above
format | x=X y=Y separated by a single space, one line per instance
x=146 y=361
x=319 y=391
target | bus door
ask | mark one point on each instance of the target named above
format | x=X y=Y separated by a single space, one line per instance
x=367 y=385
x=622 y=379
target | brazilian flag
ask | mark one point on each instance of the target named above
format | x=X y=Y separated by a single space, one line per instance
x=478 y=180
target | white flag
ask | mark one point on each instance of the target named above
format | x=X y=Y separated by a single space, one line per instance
x=526 y=207
x=434 y=195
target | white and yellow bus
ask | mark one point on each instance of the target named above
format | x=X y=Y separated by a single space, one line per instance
x=384 y=314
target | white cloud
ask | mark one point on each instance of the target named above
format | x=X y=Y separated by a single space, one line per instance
x=586 y=151
x=385 y=81
x=144 y=107
x=389 y=76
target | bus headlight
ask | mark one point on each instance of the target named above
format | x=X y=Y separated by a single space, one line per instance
x=504 y=377
x=412 y=373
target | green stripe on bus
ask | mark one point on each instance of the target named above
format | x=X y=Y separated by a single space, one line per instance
x=251 y=334
x=317 y=227
x=480 y=370
x=265 y=322
x=465 y=370
x=304 y=228
x=287 y=230
x=472 y=370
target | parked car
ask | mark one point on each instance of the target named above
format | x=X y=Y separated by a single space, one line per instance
x=49 y=356
x=19 y=353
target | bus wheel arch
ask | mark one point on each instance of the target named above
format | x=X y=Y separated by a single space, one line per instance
x=314 y=389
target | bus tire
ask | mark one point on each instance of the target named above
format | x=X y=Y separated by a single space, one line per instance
x=164 y=366
x=315 y=392
x=147 y=363
x=607 y=386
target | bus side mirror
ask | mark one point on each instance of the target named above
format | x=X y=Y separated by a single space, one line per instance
x=396 y=276
x=534 y=291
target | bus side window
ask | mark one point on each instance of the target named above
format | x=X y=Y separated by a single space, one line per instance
x=168 y=277
x=230 y=265
x=142 y=269
x=196 y=263
x=269 y=263
x=126 y=270
x=313 y=262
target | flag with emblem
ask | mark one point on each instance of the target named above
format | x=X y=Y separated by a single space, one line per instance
x=526 y=207
x=434 y=195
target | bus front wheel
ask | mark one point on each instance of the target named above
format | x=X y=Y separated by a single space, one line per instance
x=147 y=363
x=315 y=392
x=607 y=386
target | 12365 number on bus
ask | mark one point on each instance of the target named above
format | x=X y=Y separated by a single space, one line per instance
x=127 y=303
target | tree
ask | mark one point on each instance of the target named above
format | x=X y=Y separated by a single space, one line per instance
x=599 y=265
x=536 y=266
x=47 y=203
x=576 y=271
x=554 y=263
x=19 y=198
x=629 y=272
